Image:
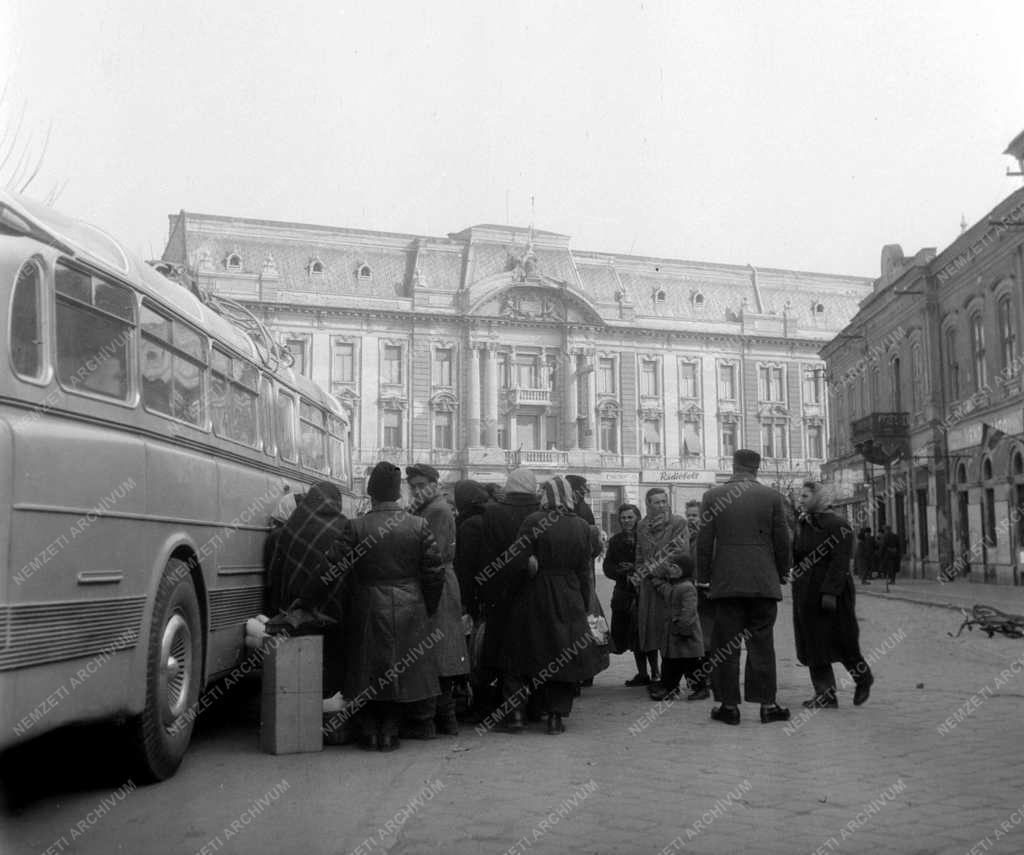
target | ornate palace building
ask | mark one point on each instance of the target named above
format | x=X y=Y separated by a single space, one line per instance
x=497 y=347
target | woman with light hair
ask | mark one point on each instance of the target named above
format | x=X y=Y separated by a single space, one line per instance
x=824 y=620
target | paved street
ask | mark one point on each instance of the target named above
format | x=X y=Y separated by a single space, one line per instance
x=627 y=777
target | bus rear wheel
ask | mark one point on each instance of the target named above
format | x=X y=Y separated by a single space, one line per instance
x=161 y=733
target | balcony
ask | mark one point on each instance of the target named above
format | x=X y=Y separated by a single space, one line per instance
x=536 y=458
x=527 y=397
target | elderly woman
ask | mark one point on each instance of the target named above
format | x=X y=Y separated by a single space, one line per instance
x=619 y=563
x=547 y=635
x=824 y=620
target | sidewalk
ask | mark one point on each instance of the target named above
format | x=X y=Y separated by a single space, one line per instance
x=958 y=594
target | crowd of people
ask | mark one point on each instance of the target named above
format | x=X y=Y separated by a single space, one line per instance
x=488 y=612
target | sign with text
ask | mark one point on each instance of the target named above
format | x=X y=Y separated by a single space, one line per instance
x=678 y=476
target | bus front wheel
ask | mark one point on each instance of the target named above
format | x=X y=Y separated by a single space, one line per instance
x=161 y=734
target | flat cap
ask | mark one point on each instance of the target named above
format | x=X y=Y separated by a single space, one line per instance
x=424 y=469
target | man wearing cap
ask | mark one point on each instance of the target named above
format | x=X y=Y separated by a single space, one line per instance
x=504 y=563
x=743 y=554
x=453 y=661
x=395 y=580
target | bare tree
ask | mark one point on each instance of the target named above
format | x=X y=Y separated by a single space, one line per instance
x=21 y=156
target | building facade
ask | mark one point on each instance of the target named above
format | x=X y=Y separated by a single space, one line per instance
x=498 y=347
x=927 y=404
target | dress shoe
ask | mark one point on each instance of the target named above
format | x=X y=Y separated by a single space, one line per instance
x=389 y=742
x=639 y=680
x=700 y=694
x=515 y=722
x=369 y=742
x=555 y=723
x=824 y=701
x=863 y=690
x=418 y=730
x=658 y=692
x=774 y=713
x=726 y=715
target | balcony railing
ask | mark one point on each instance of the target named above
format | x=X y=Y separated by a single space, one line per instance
x=536 y=458
x=532 y=397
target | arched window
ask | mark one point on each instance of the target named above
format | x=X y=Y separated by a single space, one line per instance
x=1008 y=336
x=365 y=272
x=659 y=295
x=315 y=267
x=952 y=365
x=233 y=261
x=897 y=384
x=819 y=309
x=917 y=378
x=986 y=469
x=1018 y=463
x=978 y=351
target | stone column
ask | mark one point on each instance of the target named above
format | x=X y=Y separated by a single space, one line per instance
x=475 y=383
x=590 y=404
x=571 y=409
x=491 y=399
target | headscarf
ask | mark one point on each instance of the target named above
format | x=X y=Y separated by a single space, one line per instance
x=557 y=495
x=301 y=555
x=580 y=507
x=521 y=481
x=470 y=498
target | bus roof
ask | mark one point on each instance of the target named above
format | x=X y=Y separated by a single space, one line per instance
x=81 y=240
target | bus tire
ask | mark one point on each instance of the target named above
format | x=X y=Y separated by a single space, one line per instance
x=161 y=734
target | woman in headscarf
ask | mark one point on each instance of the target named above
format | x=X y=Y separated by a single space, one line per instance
x=599 y=653
x=824 y=620
x=619 y=563
x=300 y=569
x=470 y=499
x=547 y=635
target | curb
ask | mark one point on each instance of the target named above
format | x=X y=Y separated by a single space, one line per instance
x=881 y=595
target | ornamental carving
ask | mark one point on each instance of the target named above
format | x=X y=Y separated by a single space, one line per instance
x=443 y=402
x=393 y=402
x=651 y=412
x=772 y=411
x=531 y=306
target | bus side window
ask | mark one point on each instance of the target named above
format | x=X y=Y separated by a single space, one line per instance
x=26 y=335
x=173 y=358
x=337 y=447
x=95 y=324
x=267 y=416
x=285 y=424
x=234 y=398
x=312 y=437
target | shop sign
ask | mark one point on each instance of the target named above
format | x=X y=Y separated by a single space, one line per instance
x=630 y=477
x=679 y=476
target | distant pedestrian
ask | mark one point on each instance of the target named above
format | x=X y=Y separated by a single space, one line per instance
x=824 y=620
x=864 y=556
x=891 y=554
x=546 y=641
x=661 y=538
x=619 y=564
x=744 y=552
x=453 y=660
x=684 y=643
x=397 y=580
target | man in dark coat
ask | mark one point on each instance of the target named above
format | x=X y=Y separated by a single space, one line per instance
x=396 y=581
x=744 y=553
x=824 y=620
x=471 y=498
x=705 y=608
x=453 y=661
x=504 y=563
x=890 y=558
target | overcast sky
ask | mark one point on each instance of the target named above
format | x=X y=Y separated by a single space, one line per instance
x=782 y=134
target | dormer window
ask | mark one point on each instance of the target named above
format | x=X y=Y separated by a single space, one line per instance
x=660 y=296
x=819 y=309
x=698 y=300
x=364 y=271
x=233 y=261
x=315 y=267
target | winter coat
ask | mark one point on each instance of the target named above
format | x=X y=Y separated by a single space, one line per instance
x=547 y=635
x=396 y=581
x=684 y=639
x=622 y=550
x=503 y=567
x=453 y=658
x=744 y=541
x=659 y=541
x=821 y=565
x=470 y=500
x=864 y=556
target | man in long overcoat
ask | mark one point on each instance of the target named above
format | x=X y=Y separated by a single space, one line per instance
x=705 y=607
x=453 y=661
x=744 y=553
x=395 y=584
x=661 y=538
x=824 y=619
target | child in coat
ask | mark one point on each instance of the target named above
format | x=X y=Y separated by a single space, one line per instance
x=684 y=645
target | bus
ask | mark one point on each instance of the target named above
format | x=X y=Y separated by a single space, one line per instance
x=146 y=436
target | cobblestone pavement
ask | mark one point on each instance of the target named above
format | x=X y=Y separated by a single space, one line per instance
x=958 y=594
x=931 y=764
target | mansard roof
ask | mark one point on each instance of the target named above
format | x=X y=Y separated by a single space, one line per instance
x=660 y=292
